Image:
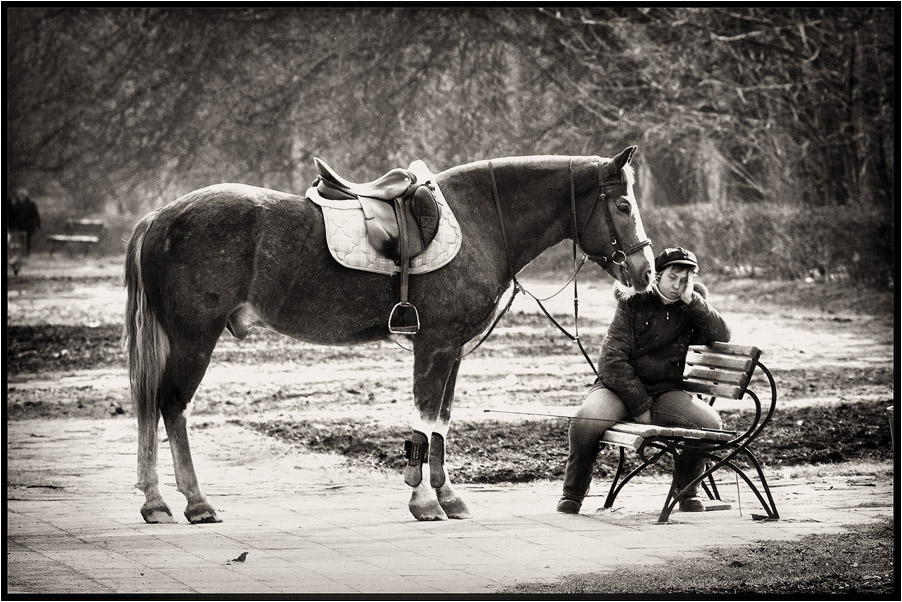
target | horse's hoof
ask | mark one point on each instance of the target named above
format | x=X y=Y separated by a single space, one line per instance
x=157 y=513
x=201 y=512
x=455 y=508
x=428 y=511
x=204 y=519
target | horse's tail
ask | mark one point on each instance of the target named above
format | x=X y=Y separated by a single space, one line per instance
x=144 y=339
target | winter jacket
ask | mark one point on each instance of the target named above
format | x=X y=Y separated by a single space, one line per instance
x=644 y=351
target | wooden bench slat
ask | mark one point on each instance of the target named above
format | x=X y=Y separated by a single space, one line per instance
x=714 y=360
x=706 y=388
x=73 y=238
x=622 y=439
x=730 y=349
x=733 y=377
x=654 y=430
x=87 y=222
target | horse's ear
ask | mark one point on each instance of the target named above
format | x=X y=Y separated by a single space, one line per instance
x=625 y=156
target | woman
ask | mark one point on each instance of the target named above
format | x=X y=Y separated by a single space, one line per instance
x=641 y=369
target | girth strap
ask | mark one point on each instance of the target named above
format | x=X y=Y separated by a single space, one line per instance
x=507 y=248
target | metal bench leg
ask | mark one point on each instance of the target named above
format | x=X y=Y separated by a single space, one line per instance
x=727 y=461
x=669 y=503
x=616 y=487
x=612 y=493
x=769 y=506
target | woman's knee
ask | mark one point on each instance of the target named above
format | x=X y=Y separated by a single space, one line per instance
x=679 y=408
x=600 y=409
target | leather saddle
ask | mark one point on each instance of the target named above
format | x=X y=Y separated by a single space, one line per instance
x=397 y=210
x=401 y=216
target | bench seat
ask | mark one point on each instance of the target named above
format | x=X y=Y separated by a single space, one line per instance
x=631 y=434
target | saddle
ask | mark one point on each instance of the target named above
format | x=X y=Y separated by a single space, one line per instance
x=401 y=218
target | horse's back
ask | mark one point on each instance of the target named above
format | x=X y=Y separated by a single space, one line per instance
x=200 y=253
x=214 y=224
x=230 y=246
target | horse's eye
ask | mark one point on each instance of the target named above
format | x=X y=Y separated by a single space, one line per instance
x=624 y=208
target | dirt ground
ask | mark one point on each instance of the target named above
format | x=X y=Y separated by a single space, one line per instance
x=830 y=347
x=824 y=342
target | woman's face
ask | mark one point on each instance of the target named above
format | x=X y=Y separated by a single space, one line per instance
x=673 y=281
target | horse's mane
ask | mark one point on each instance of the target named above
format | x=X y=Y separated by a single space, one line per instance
x=628 y=171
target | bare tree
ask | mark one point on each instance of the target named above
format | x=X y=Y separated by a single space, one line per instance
x=124 y=107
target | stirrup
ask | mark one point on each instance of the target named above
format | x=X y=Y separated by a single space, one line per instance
x=403 y=326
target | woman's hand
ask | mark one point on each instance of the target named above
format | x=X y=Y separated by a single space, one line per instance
x=644 y=417
x=686 y=297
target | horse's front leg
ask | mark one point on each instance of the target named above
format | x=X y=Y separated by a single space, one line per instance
x=453 y=505
x=432 y=367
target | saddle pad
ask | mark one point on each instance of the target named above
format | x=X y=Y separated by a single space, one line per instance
x=349 y=245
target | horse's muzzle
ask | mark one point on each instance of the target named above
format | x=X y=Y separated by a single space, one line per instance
x=636 y=272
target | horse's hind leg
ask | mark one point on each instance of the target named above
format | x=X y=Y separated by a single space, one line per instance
x=154 y=509
x=184 y=371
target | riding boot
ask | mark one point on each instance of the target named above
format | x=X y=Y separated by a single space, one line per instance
x=687 y=468
x=580 y=462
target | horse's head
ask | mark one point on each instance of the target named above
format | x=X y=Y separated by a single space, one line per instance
x=613 y=235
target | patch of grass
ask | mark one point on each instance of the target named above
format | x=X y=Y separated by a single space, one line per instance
x=859 y=562
x=499 y=451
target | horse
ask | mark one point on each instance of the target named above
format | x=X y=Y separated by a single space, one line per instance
x=235 y=256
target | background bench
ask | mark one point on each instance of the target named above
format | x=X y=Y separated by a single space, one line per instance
x=83 y=233
x=719 y=370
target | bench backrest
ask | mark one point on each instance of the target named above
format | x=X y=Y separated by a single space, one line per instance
x=720 y=369
x=85 y=226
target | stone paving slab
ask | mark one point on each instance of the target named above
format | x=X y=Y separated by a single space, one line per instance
x=312 y=525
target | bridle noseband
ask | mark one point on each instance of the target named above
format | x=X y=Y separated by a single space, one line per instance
x=618 y=257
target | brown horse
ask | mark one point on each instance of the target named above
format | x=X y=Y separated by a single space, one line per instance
x=231 y=256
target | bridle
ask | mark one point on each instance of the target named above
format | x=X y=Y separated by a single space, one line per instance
x=618 y=257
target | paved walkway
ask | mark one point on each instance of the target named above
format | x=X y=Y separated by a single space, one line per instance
x=311 y=525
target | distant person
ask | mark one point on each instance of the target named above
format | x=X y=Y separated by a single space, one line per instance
x=24 y=217
x=641 y=369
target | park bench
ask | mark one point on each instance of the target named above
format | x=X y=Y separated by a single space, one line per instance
x=719 y=370
x=79 y=232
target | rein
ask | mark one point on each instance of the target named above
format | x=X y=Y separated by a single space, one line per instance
x=574 y=226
